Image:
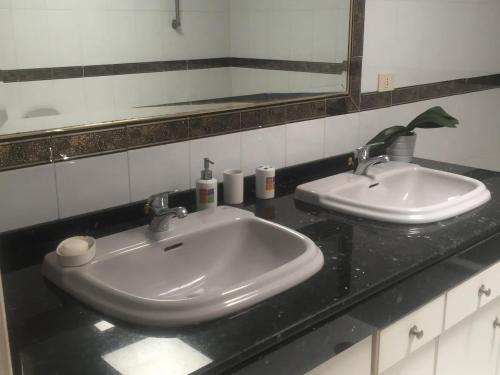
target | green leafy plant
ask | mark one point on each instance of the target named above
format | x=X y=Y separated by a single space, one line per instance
x=435 y=117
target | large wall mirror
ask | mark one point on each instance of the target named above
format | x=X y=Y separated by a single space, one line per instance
x=69 y=63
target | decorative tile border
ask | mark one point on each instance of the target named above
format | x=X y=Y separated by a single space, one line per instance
x=70 y=145
x=68 y=72
x=411 y=94
x=290 y=65
x=157 y=133
x=264 y=117
x=24 y=153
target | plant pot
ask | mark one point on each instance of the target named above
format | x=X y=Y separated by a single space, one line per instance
x=403 y=148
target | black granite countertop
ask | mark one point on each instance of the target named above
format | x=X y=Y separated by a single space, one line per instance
x=371 y=270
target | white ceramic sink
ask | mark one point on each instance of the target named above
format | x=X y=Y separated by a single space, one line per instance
x=398 y=193
x=210 y=264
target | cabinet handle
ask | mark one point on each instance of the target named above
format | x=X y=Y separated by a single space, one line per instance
x=418 y=333
x=484 y=291
x=496 y=323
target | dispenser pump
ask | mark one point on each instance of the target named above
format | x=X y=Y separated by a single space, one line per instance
x=206 y=173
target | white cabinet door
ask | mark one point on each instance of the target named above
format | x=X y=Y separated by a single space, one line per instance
x=420 y=362
x=4 y=343
x=471 y=346
x=400 y=339
x=355 y=360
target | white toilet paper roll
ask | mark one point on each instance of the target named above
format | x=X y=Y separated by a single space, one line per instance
x=233 y=186
x=264 y=182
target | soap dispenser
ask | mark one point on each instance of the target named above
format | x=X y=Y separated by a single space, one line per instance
x=206 y=188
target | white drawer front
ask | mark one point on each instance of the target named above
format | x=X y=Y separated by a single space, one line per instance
x=397 y=341
x=355 y=360
x=466 y=298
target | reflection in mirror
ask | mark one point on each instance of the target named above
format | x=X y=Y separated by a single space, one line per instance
x=77 y=63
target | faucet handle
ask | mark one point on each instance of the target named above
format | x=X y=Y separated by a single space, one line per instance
x=159 y=201
x=363 y=152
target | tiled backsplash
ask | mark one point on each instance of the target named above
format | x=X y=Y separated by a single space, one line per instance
x=78 y=186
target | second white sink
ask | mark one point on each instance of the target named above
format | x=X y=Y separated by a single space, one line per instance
x=397 y=192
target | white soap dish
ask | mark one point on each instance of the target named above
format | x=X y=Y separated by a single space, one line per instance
x=76 y=251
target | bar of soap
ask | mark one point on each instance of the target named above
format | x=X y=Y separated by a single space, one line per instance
x=74 y=246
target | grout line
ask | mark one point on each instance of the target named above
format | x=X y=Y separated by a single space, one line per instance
x=129 y=177
x=56 y=191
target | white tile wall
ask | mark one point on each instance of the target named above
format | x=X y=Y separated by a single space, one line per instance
x=69 y=32
x=224 y=150
x=263 y=146
x=209 y=83
x=27 y=197
x=301 y=30
x=305 y=141
x=64 y=40
x=31 y=37
x=428 y=41
x=92 y=184
x=158 y=169
x=8 y=50
x=341 y=134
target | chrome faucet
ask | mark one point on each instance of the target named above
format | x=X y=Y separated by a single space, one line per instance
x=157 y=208
x=363 y=161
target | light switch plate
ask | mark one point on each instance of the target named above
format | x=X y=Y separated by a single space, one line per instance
x=385 y=82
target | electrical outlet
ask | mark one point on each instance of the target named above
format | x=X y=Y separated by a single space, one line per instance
x=385 y=82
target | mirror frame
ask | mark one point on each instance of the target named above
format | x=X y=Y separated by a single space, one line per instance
x=20 y=150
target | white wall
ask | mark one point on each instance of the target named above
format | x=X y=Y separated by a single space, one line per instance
x=424 y=41
x=312 y=30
